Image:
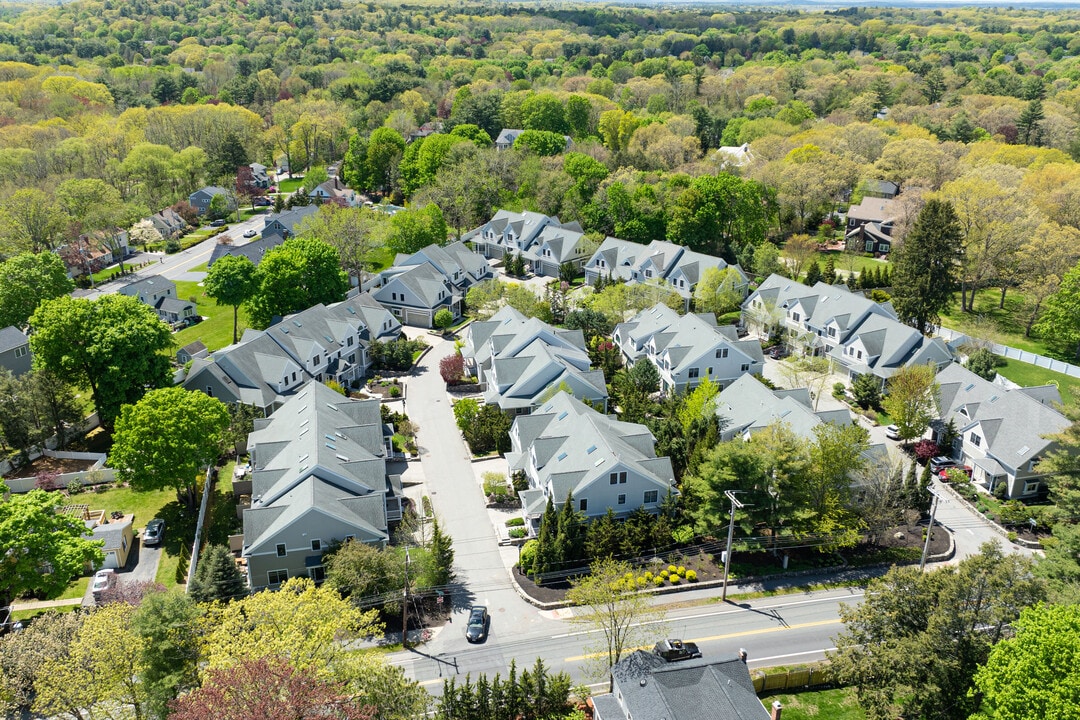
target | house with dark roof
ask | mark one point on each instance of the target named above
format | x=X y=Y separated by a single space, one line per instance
x=1000 y=433
x=284 y=224
x=253 y=251
x=201 y=198
x=568 y=447
x=259 y=176
x=117 y=536
x=520 y=360
x=644 y=686
x=15 y=350
x=870 y=225
x=324 y=342
x=674 y=266
x=506 y=139
x=318 y=477
x=686 y=349
x=191 y=351
x=860 y=335
x=159 y=293
x=544 y=243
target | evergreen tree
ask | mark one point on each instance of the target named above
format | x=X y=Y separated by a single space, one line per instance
x=852 y=281
x=604 y=536
x=923 y=498
x=442 y=556
x=547 y=558
x=1028 y=127
x=830 y=270
x=570 y=538
x=925 y=266
x=813 y=273
x=216 y=576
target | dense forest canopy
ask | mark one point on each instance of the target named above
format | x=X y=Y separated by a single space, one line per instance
x=156 y=99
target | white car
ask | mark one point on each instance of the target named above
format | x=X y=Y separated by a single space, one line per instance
x=103 y=580
x=892 y=432
x=250 y=234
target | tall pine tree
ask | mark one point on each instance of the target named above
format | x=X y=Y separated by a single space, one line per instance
x=925 y=266
x=442 y=556
x=217 y=577
x=547 y=557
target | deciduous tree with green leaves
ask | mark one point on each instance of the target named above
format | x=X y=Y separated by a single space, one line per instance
x=167 y=438
x=113 y=344
x=1059 y=324
x=912 y=400
x=31 y=565
x=26 y=280
x=297 y=274
x=231 y=281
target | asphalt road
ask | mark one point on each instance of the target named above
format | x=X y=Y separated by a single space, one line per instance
x=780 y=630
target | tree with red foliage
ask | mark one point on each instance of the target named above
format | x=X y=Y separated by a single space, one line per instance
x=268 y=689
x=187 y=211
x=246 y=187
x=926 y=449
x=452 y=368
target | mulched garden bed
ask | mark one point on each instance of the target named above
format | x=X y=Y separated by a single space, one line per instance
x=897 y=545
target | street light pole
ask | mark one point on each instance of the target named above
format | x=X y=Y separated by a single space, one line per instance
x=930 y=528
x=730 y=533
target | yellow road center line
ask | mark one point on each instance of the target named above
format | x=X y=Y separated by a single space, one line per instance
x=743 y=633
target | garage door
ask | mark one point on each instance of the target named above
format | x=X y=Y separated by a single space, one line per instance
x=111 y=561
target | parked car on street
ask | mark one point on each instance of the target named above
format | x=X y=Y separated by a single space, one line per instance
x=476 y=630
x=103 y=580
x=250 y=234
x=674 y=650
x=217 y=223
x=778 y=352
x=155 y=530
x=892 y=432
x=941 y=462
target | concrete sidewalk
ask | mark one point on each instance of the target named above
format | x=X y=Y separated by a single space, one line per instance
x=44 y=604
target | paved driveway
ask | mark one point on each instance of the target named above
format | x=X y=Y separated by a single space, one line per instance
x=451 y=483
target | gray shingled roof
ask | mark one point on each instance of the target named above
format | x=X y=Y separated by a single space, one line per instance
x=253 y=251
x=11 y=337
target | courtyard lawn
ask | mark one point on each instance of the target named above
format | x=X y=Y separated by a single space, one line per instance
x=844 y=261
x=836 y=704
x=216 y=330
x=1028 y=375
x=290 y=185
x=77 y=589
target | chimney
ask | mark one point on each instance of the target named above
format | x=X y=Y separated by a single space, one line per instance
x=777 y=708
x=742 y=655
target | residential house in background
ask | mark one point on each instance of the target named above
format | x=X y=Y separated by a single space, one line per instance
x=644 y=685
x=507 y=138
x=415 y=293
x=191 y=351
x=521 y=360
x=870 y=225
x=881 y=189
x=318 y=477
x=566 y=446
x=284 y=225
x=169 y=223
x=15 y=350
x=85 y=255
x=747 y=407
x=253 y=251
x=160 y=293
x=687 y=348
x=334 y=191
x=860 y=335
x=1000 y=433
x=201 y=198
x=668 y=264
x=543 y=242
x=321 y=343
x=259 y=175
x=459 y=265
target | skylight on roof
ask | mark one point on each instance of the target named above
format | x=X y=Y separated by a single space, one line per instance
x=329 y=437
x=599 y=462
x=561 y=415
x=297 y=323
x=993 y=398
x=562 y=456
x=303 y=457
x=591 y=450
x=331 y=446
x=342 y=458
x=968 y=388
x=1023 y=450
x=332 y=406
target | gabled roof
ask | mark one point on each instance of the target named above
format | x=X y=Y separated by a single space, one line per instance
x=253 y=251
x=148 y=284
x=423 y=281
x=447 y=259
x=575 y=446
x=824 y=303
x=210 y=190
x=288 y=219
x=684 y=338
x=701 y=689
x=507 y=136
x=618 y=255
x=873 y=209
x=12 y=337
x=1015 y=422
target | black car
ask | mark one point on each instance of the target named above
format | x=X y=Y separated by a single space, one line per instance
x=675 y=650
x=154 y=531
x=477 y=628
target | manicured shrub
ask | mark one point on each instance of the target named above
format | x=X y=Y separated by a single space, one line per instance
x=518 y=533
x=691 y=576
x=672 y=570
x=658 y=581
x=675 y=579
x=515 y=522
x=681 y=571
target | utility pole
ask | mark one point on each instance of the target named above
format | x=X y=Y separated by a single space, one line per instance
x=930 y=528
x=405 y=606
x=730 y=533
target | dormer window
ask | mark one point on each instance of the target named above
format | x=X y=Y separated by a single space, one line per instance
x=316 y=360
x=795 y=316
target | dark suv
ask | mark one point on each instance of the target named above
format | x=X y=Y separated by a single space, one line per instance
x=477 y=628
x=674 y=650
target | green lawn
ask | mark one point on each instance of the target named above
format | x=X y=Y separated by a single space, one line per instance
x=27 y=614
x=144 y=505
x=379 y=259
x=988 y=321
x=290 y=185
x=1028 y=375
x=216 y=330
x=845 y=261
x=76 y=590
x=836 y=704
